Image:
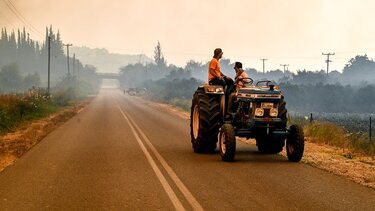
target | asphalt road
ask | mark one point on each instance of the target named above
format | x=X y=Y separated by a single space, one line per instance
x=120 y=153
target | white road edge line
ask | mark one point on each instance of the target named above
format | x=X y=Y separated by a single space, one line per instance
x=168 y=189
x=184 y=190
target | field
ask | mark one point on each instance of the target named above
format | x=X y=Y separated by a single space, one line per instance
x=351 y=122
x=344 y=130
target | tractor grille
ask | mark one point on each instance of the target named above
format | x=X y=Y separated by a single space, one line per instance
x=266 y=110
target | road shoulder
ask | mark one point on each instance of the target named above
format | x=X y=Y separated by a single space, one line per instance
x=14 y=144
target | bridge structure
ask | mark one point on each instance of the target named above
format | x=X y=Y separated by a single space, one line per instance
x=109 y=80
x=108 y=75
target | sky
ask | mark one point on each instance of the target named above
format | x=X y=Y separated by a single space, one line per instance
x=290 y=32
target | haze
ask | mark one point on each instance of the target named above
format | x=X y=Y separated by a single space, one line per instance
x=285 y=32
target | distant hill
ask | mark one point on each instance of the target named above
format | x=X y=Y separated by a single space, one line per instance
x=105 y=61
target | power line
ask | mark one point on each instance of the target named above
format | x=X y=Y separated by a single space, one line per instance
x=6 y=18
x=21 y=18
x=328 y=61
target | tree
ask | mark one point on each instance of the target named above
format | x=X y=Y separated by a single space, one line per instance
x=179 y=73
x=308 y=77
x=226 y=67
x=198 y=69
x=21 y=56
x=359 y=65
x=158 y=56
x=10 y=78
x=31 y=80
x=193 y=66
x=3 y=46
x=359 y=69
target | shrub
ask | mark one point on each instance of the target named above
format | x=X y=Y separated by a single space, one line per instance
x=184 y=104
x=16 y=109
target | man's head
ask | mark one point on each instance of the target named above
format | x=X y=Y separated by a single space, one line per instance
x=218 y=53
x=237 y=66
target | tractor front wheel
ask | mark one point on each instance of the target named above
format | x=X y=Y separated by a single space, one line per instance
x=295 y=143
x=227 y=142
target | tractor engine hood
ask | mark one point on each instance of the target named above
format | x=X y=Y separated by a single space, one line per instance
x=259 y=94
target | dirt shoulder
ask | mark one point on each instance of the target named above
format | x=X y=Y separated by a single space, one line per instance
x=353 y=166
x=14 y=144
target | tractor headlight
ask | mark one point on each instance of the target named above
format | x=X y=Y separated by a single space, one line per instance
x=259 y=112
x=274 y=112
x=215 y=89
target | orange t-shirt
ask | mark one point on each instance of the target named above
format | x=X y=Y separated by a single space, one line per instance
x=214 y=66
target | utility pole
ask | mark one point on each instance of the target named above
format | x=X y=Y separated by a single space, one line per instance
x=49 y=65
x=263 y=64
x=74 y=61
x=78 y=68
x=328 y=61
x=67 y=52
x=370 y=129
x=284 y=65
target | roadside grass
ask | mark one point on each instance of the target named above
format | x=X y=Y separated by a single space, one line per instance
x=184 y=104
x=333 y=135
x=16 y=109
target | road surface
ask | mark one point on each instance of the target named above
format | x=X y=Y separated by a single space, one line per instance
x=120 y=153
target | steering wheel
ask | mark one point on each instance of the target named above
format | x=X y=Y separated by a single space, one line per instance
x=246 y=80
x=265 y=81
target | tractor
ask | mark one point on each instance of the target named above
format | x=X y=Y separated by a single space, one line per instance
x=258 y=112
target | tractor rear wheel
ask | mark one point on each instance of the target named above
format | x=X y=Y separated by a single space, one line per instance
x=205 y=121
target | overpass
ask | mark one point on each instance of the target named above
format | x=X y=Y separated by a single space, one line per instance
x=108 y=75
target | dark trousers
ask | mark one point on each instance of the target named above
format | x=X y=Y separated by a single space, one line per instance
x=216 y=81
x=229 y=87
x=223 y=82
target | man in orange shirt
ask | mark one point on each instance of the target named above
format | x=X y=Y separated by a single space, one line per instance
x=215 y=76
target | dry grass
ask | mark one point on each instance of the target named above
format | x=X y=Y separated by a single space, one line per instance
x=356 y=167
x=353 y=166
x=327 y=133
x=333 y=135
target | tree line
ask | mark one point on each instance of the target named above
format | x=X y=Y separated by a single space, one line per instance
x=23 y=61
x=353 y=90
